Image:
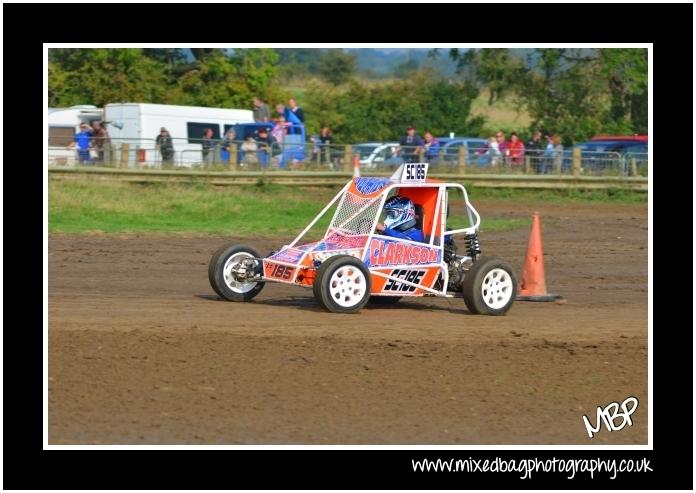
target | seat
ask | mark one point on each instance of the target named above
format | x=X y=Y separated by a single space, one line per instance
x=419 y=216
x=419 y=224
x=419 y=221
x=424 y=203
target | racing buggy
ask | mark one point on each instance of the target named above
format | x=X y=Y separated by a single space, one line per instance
x=354 y=264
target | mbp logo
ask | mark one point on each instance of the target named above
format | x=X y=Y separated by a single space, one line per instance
x=413 y=276
x=609 y=414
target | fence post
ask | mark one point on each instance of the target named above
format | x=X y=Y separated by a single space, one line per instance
x=347 y=158
x=527 y=164
x=125 y=150
x=577 y=154
x=108 y=155
x=233 y=157
x=634 y=167
x=327 y=157
x=421 y=156
x=462 y=160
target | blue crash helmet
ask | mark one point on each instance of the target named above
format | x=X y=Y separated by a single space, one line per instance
x=400 y=213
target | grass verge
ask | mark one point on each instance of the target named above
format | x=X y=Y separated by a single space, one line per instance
x=264 y=210
x=609 y=195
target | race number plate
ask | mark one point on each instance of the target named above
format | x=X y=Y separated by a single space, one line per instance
x=279 y=271
x=414 y=173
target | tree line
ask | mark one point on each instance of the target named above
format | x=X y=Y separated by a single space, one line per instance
x=572 y=92
x=575 y=93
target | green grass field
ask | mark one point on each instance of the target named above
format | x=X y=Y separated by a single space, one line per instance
x=251 y=211
x=503 y=114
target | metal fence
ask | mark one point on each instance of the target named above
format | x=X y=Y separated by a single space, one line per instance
x=253 y=155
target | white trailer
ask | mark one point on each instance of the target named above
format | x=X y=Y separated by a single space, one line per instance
x=139 y=125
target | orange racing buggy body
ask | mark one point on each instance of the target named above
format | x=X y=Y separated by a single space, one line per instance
x=353 y=264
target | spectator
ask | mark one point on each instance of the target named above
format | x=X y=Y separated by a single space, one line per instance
x=295 y=110
x=83 y=142
x=293 y=117
x=547 y=156
x=503 y=145
x=163 y=143
x=249 y=148
x=533 y=146
x=264 y=143
x=557 y=153
x=208 y=146
x=411 y=145
x=325 y=136
x=100 y=141
x=279 y=129
x=493 y=151
x=280 y=110
x=432 y=147
x=227 y=141
x=322 y=143
x=261 y=111
x=516 y=150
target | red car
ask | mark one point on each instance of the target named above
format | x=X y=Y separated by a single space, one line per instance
x=627 y=138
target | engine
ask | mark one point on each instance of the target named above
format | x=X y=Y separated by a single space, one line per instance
x=457 y=265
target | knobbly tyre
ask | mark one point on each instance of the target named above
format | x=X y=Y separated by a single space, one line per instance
x=353 y=264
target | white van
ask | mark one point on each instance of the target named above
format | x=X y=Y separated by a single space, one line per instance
x=139 y=125
x=63 y=124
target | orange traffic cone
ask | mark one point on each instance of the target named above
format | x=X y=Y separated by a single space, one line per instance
x=533 y=284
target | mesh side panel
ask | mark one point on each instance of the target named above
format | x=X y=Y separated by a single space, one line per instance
x=356 y=214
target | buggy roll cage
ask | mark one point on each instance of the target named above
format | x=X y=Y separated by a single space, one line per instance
x=440 y=210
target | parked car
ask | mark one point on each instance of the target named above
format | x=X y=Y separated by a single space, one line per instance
x=376 y=154
x=600 y=155
x=625 y=138
x=450 y=149
x=613 y=146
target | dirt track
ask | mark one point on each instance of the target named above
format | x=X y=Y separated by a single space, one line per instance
x=142 y=351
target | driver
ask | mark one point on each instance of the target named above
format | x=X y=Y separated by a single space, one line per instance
x=400 y=220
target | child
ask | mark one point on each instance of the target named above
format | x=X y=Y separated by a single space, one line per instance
x=279 y=129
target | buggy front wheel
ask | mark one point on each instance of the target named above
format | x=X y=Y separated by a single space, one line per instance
x=342 y=284
x=222 y=275
x=489 y=287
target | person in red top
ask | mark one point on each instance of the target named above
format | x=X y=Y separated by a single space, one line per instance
x=516 y=150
